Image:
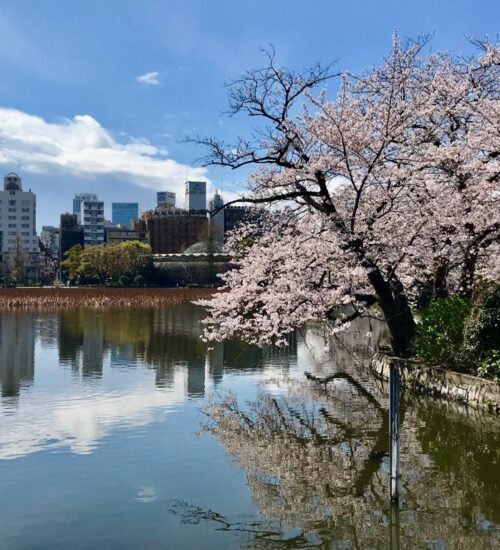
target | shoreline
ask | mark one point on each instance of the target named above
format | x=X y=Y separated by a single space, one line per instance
x=96 y=297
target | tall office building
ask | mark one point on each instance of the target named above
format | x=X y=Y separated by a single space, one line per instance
x=77 y=203
x=70 y=234
x=196 y=195
x=217 y=219
x=18 y=226
x=122 y=213
x=165 y=199
x=92 y=220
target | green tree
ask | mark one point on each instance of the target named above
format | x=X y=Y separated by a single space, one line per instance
x=71 y=265
x=125 y=264
x=139 y=265
x=92 y=265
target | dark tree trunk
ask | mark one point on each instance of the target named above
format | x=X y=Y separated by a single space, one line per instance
x=467 y=275
x=397 y=312
x=440 y=286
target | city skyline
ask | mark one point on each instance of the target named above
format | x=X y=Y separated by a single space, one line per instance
x=104 y=104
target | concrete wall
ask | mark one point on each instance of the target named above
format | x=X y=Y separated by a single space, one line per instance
x=474 y=391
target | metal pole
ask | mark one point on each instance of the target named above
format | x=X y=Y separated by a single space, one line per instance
x=394 y=536
x=394 y=430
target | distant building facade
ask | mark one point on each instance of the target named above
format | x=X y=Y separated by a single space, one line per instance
x=50 y=239
x=117 y=235
x=234 y=215
x=165 y=199
x=92 y=220
x=122 y=213
x=18 y=238
x=196 y=195
x=77 y=203
x=171 y=230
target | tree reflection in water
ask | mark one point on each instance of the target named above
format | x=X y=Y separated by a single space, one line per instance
x=317 y=461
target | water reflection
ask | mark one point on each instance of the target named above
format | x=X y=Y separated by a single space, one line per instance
x=316 y=461
x=94 y=373
x=17 y=355
x=125 y=387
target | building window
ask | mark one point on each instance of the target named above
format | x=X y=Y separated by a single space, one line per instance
x=12 y=203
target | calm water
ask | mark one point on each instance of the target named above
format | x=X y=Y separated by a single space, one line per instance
x=99 y=444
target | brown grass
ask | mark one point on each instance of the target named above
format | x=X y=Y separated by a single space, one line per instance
x=76 y=297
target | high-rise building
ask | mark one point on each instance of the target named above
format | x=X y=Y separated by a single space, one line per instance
x=92 y=220
x=165 y=199
x=77 y=203
x=70 y=234
x=122 y=213
x=18 y=238
x=196 y=195
x=217 y=218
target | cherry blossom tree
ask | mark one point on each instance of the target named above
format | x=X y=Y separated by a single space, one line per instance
x=392 y=188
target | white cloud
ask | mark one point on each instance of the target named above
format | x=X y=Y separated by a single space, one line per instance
x=80 y=421
x=150 y=78
x=82 y=147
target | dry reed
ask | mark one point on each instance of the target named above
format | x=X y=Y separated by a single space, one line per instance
x=77 y=297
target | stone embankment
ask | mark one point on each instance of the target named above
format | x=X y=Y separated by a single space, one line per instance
x=474 y=391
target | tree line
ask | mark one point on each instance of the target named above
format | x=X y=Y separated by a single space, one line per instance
x=125 y=264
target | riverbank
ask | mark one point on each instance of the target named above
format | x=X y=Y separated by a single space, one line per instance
x=77 y=297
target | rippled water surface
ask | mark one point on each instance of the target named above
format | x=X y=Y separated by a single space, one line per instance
x=99 y=443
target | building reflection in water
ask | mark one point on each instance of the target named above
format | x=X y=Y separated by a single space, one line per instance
x=17 y=352
x=166 y=340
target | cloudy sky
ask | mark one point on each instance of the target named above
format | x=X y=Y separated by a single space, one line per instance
x=99 y=95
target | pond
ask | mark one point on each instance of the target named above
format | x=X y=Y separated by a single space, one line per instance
x=120 y=429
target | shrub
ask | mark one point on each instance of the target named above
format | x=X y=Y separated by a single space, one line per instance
x=482 y=329
x=440 y=334
x=490 y=366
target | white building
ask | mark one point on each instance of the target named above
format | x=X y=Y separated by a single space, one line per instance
x=18 y=227
x=77 y=203
x=217 y=219
x=196 y=195
x=92 y=221
x=165 y=199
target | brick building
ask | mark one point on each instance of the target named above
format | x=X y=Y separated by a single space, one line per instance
x=172 y=230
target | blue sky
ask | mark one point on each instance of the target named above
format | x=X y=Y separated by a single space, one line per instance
x=76 y=116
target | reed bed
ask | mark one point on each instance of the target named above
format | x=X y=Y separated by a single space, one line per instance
x=78 y=297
